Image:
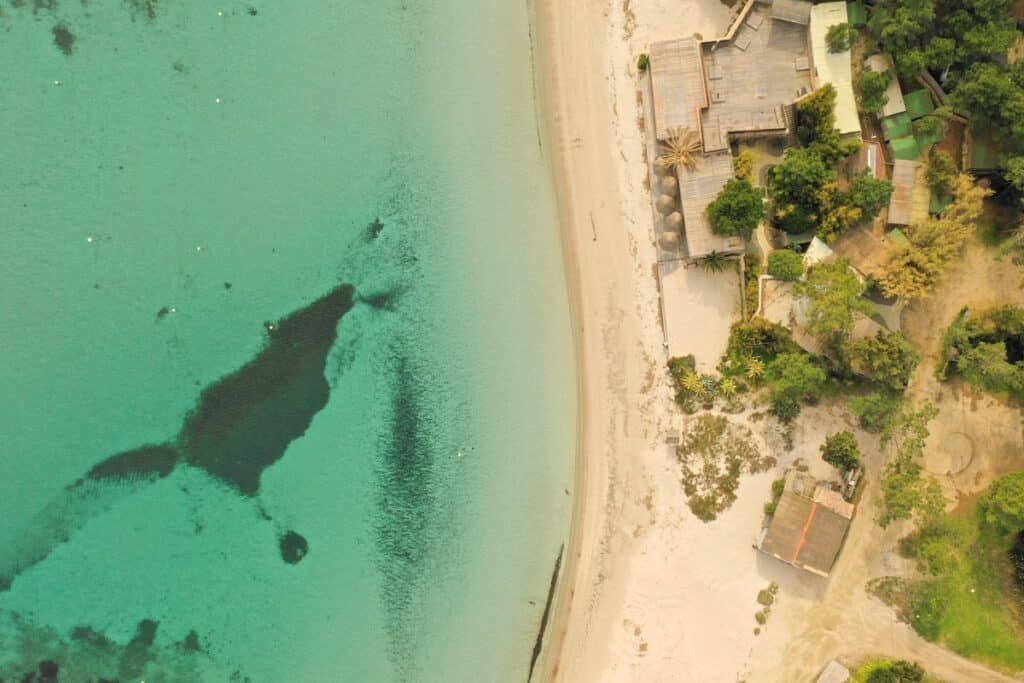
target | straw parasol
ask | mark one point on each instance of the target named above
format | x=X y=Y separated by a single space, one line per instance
x=669 y=240
x=674 y=221
x=666 y=204
x=669 y=186
x=662 y=166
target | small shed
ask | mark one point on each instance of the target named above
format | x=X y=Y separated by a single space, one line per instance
x=919 y=103
x=904 y=176
x=882 y=63
x=897 y=125
x=856 y=13
x=834 y=673
x=906 y=148
x=809 y=525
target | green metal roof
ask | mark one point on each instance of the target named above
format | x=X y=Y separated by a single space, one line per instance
x=897 y=125
x=939 y=203
x=855 y=13
x=897 y=236
x=930 y=139
x=986 y=153
x=905 y=147
x=919 y=103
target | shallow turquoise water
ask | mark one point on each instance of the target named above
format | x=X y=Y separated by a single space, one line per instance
x=192 y=177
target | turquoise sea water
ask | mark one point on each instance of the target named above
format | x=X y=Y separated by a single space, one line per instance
x=175 y=183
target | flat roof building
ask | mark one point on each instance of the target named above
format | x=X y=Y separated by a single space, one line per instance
x=740 y=85
x=834 y=67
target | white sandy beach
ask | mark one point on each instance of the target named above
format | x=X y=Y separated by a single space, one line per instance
x=649 y=593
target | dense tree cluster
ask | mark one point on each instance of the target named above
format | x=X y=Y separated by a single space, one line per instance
x=1002 y=506
x=914 y=269
x=987 y=349
x=887 y=358
x=835 y=299
x=907 y=492
x=964 y=43
x=805 y=187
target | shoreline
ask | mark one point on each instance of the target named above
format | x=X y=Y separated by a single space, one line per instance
x=550 y=115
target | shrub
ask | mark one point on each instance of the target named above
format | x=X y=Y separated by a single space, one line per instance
x=840 y=37
x=900 y=671
x=876 y=411
x=873 y=85
x=940 y=172
x=765 y=597
x=770 y=507
x=840 y=450
x=743 y=165
x=778 y=487
x=1002 y=506
x=643 y=61
x=761 y=617
x=785 y=264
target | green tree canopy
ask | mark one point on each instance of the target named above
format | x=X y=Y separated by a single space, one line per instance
x=737 y=209
x=794 y=186
x=985 y=365
x=834 y=294
x=868 y=193
x=840 y=37
x=785 y=264
x=1002 y=506
x=914 y=269
x=873 y=85
x=993 y=95
x=887 y=358
x=906 y=491
x=841 y=451
x=940 y=172
x=793 y=378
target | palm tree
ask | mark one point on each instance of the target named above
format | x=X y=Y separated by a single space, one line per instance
x=755 y=368
x=692 y=383
x=728 y=387
x=682 y=149
x=716 y=262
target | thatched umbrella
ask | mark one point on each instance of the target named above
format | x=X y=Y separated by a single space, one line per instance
x=666 y=204
x=669 y=240
x=669 y=186
x=674 y=221
x=662 y=166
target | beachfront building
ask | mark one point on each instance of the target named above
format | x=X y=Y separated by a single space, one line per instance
x=740 y=85
x=834 y=67
x=809 y=525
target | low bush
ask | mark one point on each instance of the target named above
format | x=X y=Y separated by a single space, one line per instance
x=785 y=264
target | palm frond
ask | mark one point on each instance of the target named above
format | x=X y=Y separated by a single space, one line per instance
x=682 y=149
